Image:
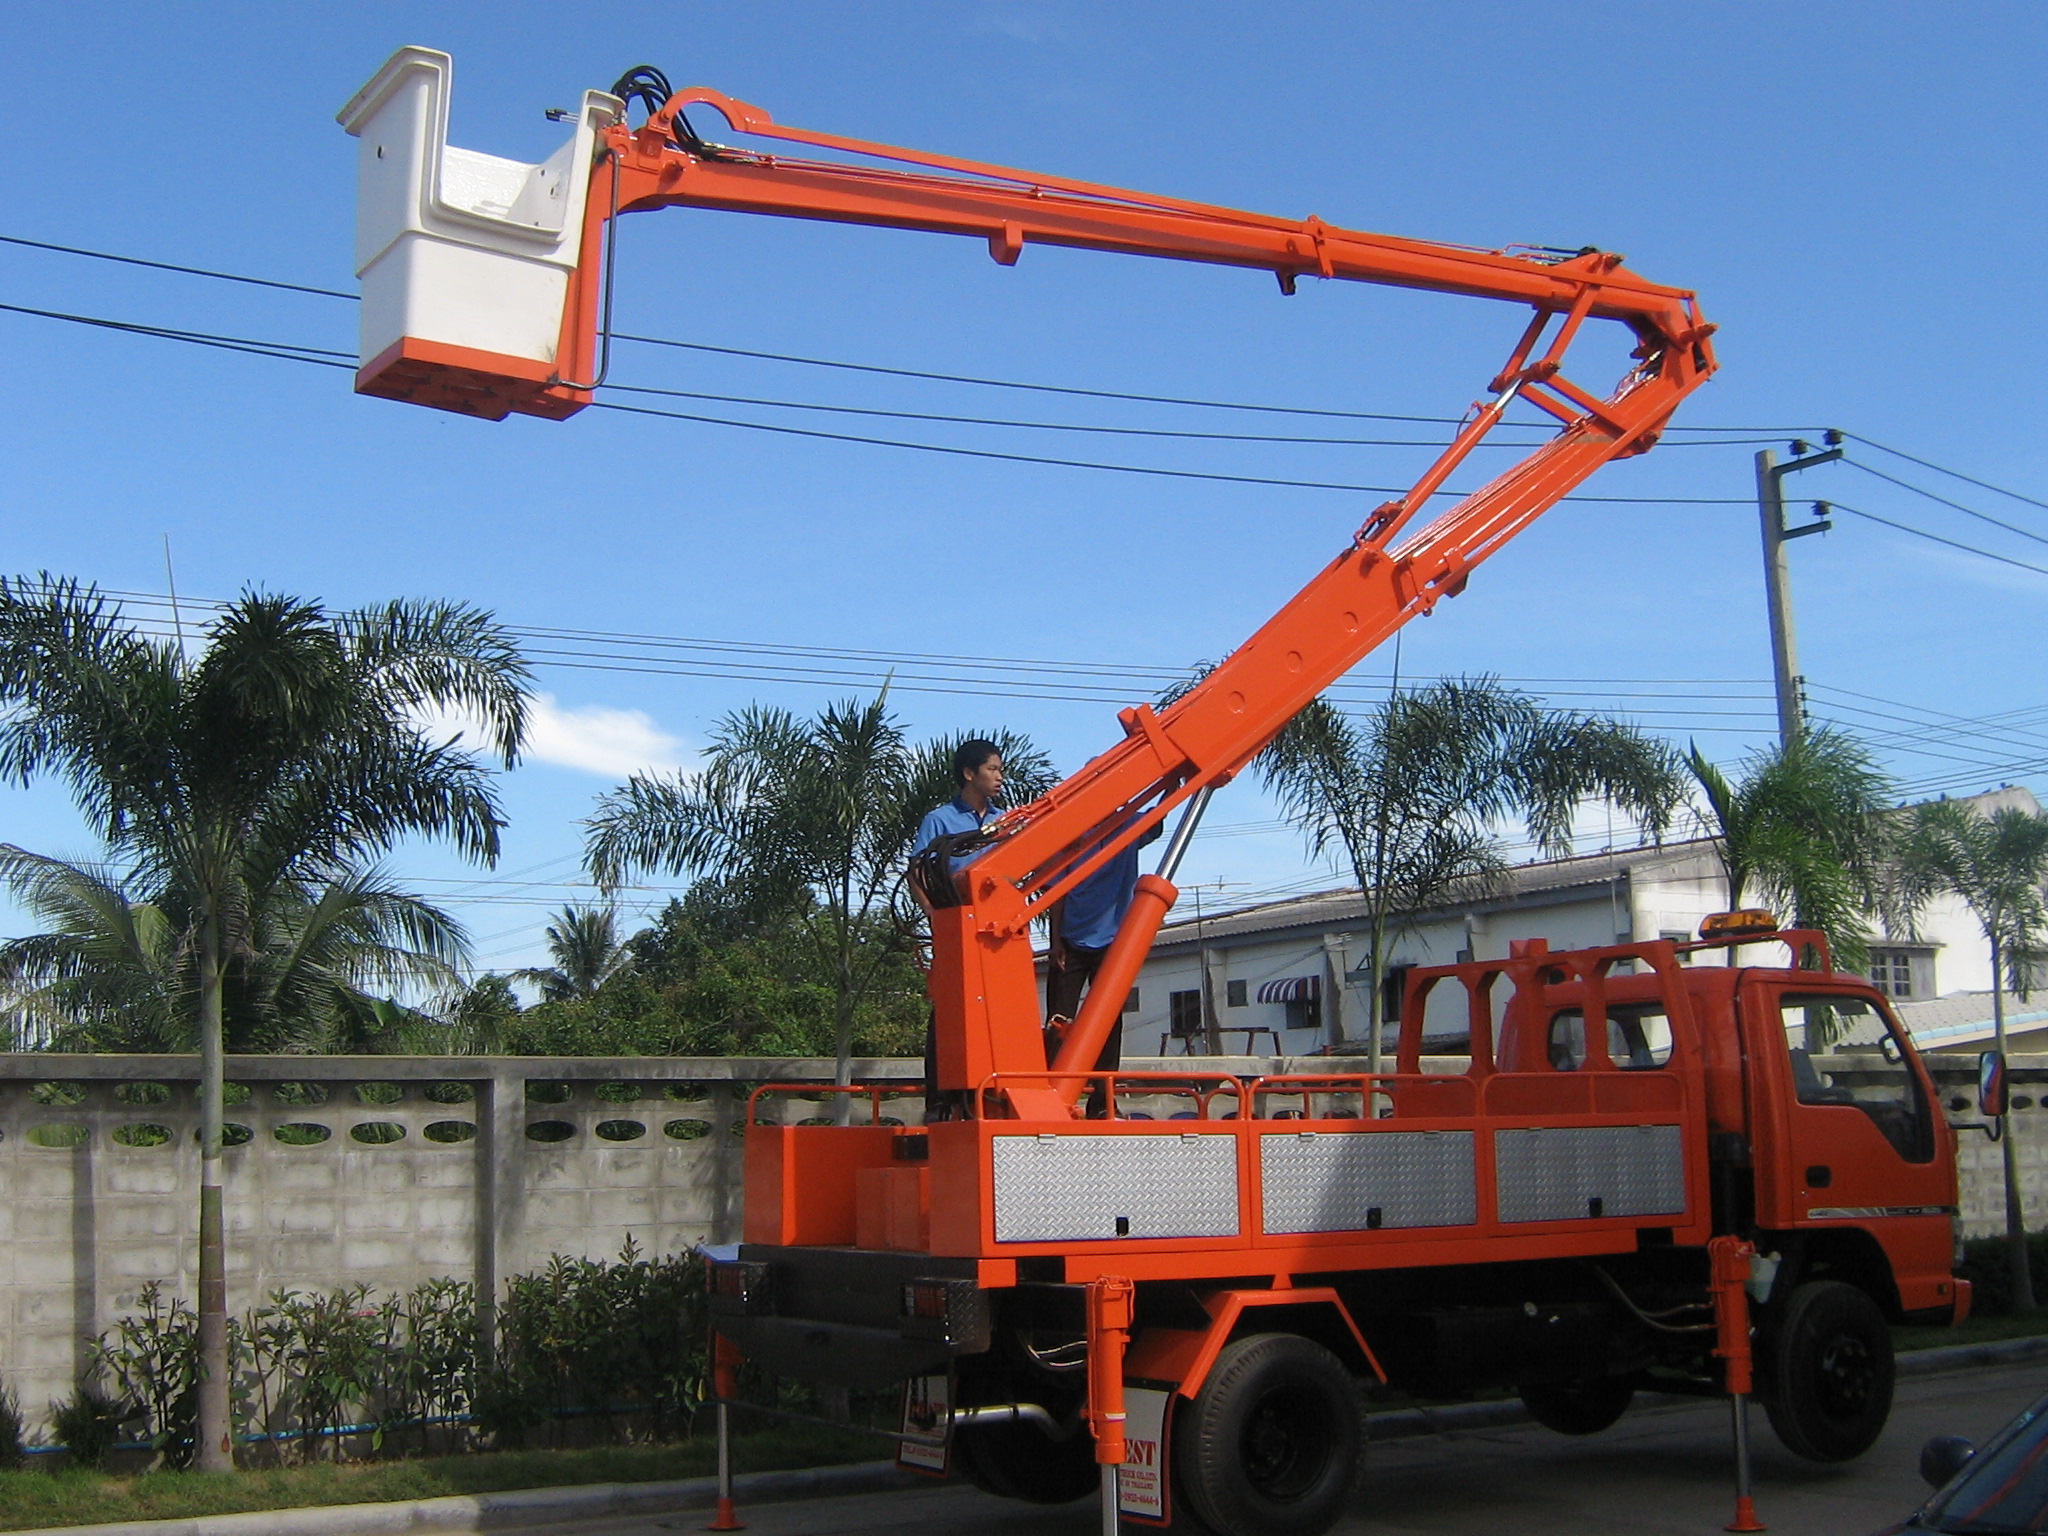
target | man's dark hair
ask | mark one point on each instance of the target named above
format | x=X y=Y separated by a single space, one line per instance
x=970 y=755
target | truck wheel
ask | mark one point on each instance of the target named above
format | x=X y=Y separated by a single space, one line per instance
x=1019 y=1461
x=1580 y=1407
x=1270 y=1445
x=1828 y=1371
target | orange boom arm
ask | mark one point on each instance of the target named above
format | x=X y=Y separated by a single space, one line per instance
x=1399 y=564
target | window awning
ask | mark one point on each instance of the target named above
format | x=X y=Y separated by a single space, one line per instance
x=1291 y=989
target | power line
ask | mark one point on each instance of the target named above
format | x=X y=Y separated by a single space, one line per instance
x=2013 y=722
x=168 y=266
x=1941 y=469
x=1940 y=718
x=289 y=351
x=1982 y=517
x=992 y=453
x=1716 y=434
x=323 y=357
x=1922 y=533
x=1062 y=426
x=894 y=669
x=1126 y=469
x=1772 y=433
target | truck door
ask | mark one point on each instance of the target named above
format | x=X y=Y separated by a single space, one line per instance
x=1851 y=1126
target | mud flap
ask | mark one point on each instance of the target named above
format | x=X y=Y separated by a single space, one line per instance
x=1144 y=1488
x=927 y=1413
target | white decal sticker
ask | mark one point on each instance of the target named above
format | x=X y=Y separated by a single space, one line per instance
x=927 y=1406
x=1141 y=1489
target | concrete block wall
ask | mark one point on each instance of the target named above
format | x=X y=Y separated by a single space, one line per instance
x=1980 y=1162
x=90 y=1212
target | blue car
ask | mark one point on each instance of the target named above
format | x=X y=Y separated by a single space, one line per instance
x=1998 y=1490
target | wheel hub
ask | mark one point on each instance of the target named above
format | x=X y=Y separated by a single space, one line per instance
x=1842 y=1376
x=1284 y=1447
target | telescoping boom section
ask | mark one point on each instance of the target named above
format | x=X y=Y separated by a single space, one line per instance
x=486 y=287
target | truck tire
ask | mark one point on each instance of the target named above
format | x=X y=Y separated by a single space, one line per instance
x=1827 y=1372
x=1579 y=1407
x=1270 y=1446
x=1020 y=1461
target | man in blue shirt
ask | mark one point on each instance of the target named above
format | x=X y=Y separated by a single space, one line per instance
x=1084 y=925
x=978 y=771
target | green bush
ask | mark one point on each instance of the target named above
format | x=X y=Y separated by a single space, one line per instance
x=153 y=1357
x=1985 y=1266
x=591 y=1337
x=618 y=1345
x=88 y=1424
x=10 y=1431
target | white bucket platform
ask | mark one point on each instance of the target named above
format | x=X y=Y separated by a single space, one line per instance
x=464 y=258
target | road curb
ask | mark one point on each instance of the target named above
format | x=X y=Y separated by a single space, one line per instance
x=527 y=1507
x=1956 y=1357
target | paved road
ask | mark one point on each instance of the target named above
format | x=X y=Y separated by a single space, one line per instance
x=1663 y=1471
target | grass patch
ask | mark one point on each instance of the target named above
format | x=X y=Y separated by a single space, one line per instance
x=1975 y=1330
x=29 y=1499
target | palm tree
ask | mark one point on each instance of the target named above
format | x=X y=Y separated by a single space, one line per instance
x=805 y=821
x=1412 y=792
x=250 y=780
x=1804 y=827
x=584 y=942
x=1997 y=864
x=117 y=972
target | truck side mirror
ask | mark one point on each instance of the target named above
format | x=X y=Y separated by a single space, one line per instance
x=1991 y=1084
x=1943 y=1457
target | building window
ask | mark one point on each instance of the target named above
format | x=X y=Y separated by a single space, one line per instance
x=1892 y=970
x=1131 y=1001
x=1234 y=994
x=1184 y=1014
x=1678 y=936
x=1393 y=989
x=1305 y=1013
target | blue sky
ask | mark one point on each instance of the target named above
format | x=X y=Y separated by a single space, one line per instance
x=1854 y=191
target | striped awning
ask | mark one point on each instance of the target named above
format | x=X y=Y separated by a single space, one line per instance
x=1291 y=989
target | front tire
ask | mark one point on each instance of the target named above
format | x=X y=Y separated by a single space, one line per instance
x=1580 y=1407
x=1829 y=1372
x=1270 y=1445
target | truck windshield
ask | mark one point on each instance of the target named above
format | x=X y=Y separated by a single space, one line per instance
x=1846 y=1050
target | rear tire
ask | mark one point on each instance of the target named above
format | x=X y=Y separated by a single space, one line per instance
x=1828 y=1372
x=1270 y=1446
x=1580 y=1407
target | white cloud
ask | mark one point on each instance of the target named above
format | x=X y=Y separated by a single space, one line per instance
x=592 y=738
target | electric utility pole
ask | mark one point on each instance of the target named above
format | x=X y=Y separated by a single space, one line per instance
x=1770 y=501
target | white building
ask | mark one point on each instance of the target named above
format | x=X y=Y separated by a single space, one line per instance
x=1287 y=977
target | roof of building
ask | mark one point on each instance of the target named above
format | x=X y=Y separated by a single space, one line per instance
x=1522 y=885
x=1964 y=1018
x=1541 y=883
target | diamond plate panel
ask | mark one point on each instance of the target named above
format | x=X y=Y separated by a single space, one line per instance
x=1067 y=1188
x=1650 y=1171
x=1316 y=1181
x=1554 y=1173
